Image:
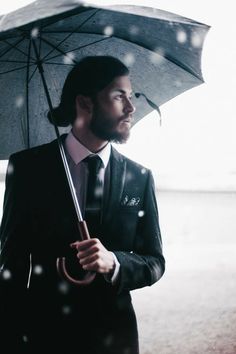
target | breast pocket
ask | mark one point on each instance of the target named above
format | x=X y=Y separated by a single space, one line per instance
x=125 y=226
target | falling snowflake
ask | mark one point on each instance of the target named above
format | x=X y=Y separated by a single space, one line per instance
x=196 y=40
x=69 y=58
x=66 y=310
x=19 y=101
x=108 y=31
x=38 y=269
x=134 y=30
x=181 y=36
x=35 y=32
x=6 y=274
x=141 y=213
x=157 y=56
x=10 y=169
x=25 y=339
x=143 y=171
x=129 y=59
x=63 y=287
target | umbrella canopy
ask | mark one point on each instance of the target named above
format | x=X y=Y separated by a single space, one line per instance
x=161 y=49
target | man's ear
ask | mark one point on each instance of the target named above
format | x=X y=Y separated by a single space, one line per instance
x=84 y=103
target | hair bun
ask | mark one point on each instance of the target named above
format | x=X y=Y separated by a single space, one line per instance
x=59 y=117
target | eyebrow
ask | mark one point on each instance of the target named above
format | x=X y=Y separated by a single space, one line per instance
x=122 y=91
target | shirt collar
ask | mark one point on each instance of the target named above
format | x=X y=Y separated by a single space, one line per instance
x=78 y=151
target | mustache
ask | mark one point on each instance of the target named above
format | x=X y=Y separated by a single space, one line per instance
x=128 y=117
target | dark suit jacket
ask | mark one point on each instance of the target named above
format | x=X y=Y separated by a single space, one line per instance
x=39 y=311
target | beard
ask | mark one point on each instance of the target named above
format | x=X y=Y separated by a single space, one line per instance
x=105 y=127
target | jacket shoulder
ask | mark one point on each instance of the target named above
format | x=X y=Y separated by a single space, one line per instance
x=34 y=152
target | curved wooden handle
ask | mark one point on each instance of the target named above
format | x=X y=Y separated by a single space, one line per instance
x=61 y=268
x=61 y=262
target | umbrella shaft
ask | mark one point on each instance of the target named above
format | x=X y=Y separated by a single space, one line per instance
x=61 y=148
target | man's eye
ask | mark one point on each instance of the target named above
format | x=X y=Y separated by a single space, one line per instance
x=119 y=97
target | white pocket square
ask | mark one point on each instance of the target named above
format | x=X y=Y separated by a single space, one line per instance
x=133 y=201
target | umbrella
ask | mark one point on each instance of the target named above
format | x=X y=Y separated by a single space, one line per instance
x=162 y=50
x=40 y=43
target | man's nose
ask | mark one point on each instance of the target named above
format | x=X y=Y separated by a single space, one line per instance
x=129 y=107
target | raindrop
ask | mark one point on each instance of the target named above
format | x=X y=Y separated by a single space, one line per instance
x=66 y=310
x=38 y=269
x=6 y=274
x=143 y=171
x=108 y=31
x=181 y=36
x=69 y=58
x=35 y=32
x=19 y=101
x=196 y=40
x=129 y=59
x=141 y=213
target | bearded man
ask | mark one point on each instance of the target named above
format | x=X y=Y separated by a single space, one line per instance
x=41 y=312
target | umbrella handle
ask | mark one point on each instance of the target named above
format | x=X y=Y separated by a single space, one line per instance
x=61 y=262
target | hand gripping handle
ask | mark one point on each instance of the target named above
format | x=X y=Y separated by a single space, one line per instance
x=61 y=262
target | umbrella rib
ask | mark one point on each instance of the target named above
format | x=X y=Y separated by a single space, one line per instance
x=15 y=47
x=27 y=97
x=9 y=71
x=167 y=57
x=8 y=49
x=14 y=61
x=31 y=76
x=58 y=49
x=71 y=33
x=80 y=47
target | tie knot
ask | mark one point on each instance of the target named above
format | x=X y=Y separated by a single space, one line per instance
x=94 y=163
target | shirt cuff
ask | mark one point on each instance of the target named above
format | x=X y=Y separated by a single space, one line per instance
x=112 y=279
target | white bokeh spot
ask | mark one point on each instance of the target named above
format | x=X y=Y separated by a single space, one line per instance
x=141 y=213
x=181 y=36
x=66 y=310
x=6 y=274
x=129 y=59
x=143 y=171
x=19 y=101
x=38 y=269
x=108 y=31
x=63 y=288
x=134 y=30
x=35 y=32
x=196 y=40
x=69 y=58
x=157 y=56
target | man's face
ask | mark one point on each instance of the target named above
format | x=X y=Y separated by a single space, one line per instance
x=113 y=110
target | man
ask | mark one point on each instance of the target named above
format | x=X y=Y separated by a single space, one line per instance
x=41 y=312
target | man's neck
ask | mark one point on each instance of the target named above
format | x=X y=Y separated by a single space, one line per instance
x=90 y=141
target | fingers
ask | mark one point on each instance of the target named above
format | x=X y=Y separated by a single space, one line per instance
x=94 y=256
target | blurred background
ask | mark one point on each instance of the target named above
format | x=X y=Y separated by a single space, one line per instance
x=192 y=309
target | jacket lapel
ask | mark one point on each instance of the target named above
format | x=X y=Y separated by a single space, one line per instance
x=117 y=181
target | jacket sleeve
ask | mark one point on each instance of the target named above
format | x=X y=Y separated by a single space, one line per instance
x=145 y=265
x=14 y=259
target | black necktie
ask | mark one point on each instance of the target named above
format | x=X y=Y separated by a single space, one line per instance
x=94 y=193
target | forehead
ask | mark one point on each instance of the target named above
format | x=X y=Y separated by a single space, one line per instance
x=120 y=84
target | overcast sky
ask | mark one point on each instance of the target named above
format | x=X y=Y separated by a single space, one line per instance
x=196 y=145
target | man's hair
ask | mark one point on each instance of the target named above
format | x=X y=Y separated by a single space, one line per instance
x=91 y=75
